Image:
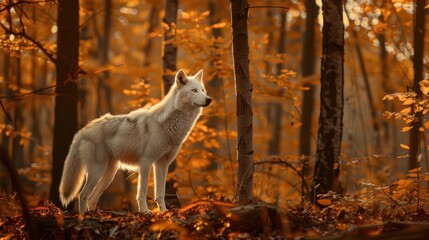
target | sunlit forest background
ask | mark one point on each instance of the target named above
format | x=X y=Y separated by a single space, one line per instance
x=121 y=49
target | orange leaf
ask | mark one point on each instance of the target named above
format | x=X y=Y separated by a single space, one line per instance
x=406 y=129
x=341 y=226
x=324 y=202
x=415 y=170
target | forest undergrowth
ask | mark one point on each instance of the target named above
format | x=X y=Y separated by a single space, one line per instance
x=397 y=211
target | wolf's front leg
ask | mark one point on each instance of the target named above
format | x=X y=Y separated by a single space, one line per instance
x=160 y=175
x=144 y=172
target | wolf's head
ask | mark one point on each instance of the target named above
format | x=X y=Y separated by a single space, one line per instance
x=190 y=91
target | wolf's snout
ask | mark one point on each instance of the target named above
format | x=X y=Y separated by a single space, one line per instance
x=208 y=101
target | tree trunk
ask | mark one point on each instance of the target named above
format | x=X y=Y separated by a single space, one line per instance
x=331 y=99
x=5 y=140
x=170 y=50
x=308 y=63
x=239 y=11
x=103 y=87
x=18 y=120
x=275 y=109
x=169 y=61
x=153 y=23
x=66 y=91
x=419 y=33
x=373 y=110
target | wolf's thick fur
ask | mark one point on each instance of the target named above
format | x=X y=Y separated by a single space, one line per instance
x=135 y=141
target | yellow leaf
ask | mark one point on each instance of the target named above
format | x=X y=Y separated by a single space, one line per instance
x=424 y=86
x=205 y=14
x=421 y=129
x=404 y=146
x=219 y=25
x=165 y=26
x=341 y=226
x=406 y=129
x=406 y=110
x=414 y=170
x=426 y=124
x=324 y=202
x=185 y=15
x=408 y=102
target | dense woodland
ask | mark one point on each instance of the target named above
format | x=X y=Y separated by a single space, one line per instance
x=317 y=126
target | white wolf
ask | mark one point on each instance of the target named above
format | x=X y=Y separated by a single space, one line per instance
x=135 y=141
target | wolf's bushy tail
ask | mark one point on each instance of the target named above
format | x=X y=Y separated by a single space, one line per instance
x=73 y=175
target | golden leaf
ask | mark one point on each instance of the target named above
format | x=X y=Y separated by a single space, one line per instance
x=404 y=146
x=408 y=102
x=424 y=86
x=205 y=14
x=185 y=15
x=165 y=26
x=219 y=25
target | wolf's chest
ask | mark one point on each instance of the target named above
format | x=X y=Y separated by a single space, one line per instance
x=176 y=128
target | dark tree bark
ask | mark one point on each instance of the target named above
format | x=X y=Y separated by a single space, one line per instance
x=239 y=12
x=331 y=99
x=5 y=183
x=103 y=87
x=66 y=91
x=170 y=50
x=169 y=61
x=18 y=119
x=419 y=34
x=153 y=20
x=308 y=63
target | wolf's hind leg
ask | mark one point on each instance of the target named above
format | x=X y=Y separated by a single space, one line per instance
x=105 y=181
x=95 y=170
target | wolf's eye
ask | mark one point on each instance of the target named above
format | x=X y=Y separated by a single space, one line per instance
x=194 y=90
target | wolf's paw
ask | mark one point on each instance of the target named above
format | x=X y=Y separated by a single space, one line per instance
x=145 y=214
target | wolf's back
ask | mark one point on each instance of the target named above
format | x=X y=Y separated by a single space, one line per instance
x=73 y=174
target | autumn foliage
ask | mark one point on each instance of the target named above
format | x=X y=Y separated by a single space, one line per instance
x=375 y=192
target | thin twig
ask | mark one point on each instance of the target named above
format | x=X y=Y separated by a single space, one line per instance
x=41 y=90
x=279 y=161
x=5 y=112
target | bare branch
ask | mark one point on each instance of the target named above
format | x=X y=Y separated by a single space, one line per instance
x=32 y=40
x=41 y=91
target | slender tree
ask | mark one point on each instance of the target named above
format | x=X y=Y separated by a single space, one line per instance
x=66 y=92
x=331 y=98
x=369 y=95
x=419 y=34
x=239 y=12
x=275 y=109
x=308 y=63
x=104 y=49
x=169 y=61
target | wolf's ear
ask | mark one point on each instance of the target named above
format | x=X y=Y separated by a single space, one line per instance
x=181 y=78
x=199 y=75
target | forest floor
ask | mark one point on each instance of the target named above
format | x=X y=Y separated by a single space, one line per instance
x=219 y=220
